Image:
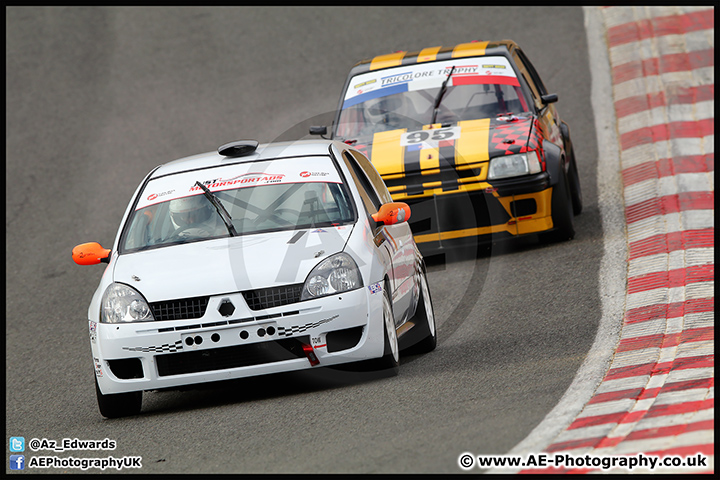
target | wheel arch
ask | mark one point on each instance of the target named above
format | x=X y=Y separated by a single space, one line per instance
x=554 y=160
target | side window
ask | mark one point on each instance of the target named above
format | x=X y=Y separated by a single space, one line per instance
x=533 y=73
x=373 y=176
x=528 y=79
x=367 y=193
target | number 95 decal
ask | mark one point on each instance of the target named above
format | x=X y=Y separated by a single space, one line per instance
x=430 y=137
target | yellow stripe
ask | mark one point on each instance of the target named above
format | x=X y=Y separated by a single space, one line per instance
x=469 y=49
x=534 y=225
x=473 y=144
x=539 y=222
x=387 y=154
x=400 y=196
x=428 y=54
x=389 y=60
x=393 y=176
x=468 y=232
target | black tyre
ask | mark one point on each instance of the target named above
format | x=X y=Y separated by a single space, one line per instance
x=118 y=404
x=575 y=190
x=389 y=364
x=562 y=212
x=422 y=338
x=390 y=361
x=573 y=177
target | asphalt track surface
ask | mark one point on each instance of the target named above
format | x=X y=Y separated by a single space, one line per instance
x=96 y=97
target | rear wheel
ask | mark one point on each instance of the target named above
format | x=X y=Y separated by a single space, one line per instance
x=118 y=404
x=562 y=212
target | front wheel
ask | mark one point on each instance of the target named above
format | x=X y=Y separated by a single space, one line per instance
x=389 y=364
x=422 y=338
x=575 y=190
x=562 y=212
x=118 y=404
x=390 y=361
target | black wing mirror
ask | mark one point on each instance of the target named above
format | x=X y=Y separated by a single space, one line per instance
x=318 y=130
x=549 y=98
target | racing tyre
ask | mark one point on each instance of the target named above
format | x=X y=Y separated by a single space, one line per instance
x=389 y=364
x=390 y=361
x=118 y=404
x=575 y=190
x=562 y=212
x=574 y=180
x=422 y=338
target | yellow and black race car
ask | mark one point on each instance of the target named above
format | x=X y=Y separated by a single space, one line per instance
x=469 y=137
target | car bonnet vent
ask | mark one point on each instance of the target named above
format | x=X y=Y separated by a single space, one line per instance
x=238 y=148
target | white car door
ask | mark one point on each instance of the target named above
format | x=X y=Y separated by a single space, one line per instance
x=397 y=239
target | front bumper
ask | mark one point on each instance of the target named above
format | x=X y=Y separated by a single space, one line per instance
x=481 y=213
x=165 y=354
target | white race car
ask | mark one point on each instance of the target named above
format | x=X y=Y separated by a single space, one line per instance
x=255 y=260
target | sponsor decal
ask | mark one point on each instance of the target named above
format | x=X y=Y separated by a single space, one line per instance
x=98 y=367
x=319 y=230
x=307 y=174
x=153 y=196
x=244 y=179
x=375 y=288
x=362 y=84
x=461 y=70
x=425 y=75
x=396 y=78
x=93 y=331
x=236 y=176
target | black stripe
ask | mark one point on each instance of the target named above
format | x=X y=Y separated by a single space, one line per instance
x=447 y=160
x=296 y=237
x=412 y=169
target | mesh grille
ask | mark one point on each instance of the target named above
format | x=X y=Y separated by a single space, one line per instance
x=182 y=309
x=273 y=297
x=230 y=357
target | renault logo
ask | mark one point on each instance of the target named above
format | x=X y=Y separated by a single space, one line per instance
x=226 y=307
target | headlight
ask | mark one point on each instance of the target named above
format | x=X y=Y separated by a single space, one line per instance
x=335 y=274
x=514 y=165
x=123 y=304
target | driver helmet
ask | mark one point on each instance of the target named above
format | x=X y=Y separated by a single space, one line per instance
x=386 y=109
x=189 y=210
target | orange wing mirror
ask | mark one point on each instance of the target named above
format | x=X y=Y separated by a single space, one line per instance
x=90 y=253
x=392 y=213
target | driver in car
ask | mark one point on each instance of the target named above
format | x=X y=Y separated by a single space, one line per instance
x=194 y=217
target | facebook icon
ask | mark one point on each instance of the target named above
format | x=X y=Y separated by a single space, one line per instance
x=17 y=462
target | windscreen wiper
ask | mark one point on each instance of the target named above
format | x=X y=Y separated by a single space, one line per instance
x=224 y=215
x=440 y=94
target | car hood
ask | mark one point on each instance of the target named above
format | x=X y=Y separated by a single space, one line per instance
x=229 y=264
x=470 y=142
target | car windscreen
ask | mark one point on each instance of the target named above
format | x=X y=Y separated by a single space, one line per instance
x=405 y=97
x=267 y=196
